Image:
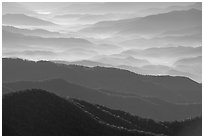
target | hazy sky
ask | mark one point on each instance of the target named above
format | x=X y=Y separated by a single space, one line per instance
x=52 y=6
x=147 y=38
x=89 y=7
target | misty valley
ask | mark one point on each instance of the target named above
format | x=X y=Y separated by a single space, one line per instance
x=92 y=69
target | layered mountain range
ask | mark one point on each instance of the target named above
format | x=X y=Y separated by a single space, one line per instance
x=101 y=69
x=136 y=43
x=176 y=98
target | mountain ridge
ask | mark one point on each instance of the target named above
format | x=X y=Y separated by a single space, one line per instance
x=126 y=102
x=22 y=19
x=113 y=79
x=44 y=113
x=150 y=23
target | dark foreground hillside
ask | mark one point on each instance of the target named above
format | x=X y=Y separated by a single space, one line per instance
x=37 y=112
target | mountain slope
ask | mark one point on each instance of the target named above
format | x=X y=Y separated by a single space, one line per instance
x=22 y=19
x=152 y=24
x=34 y=32
x=192 y=127
x=174 y=89
x=126 y=102
x=37 y=112
x=87 y=63
x=29 y=40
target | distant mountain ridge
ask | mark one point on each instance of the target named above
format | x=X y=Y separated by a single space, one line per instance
x=150 y=24
x=22 y=41
x=22 y=19
x=87 y=63
x=33 y=32
x=173 y=89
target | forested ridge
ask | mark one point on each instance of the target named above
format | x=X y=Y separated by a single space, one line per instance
x=38 y=112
